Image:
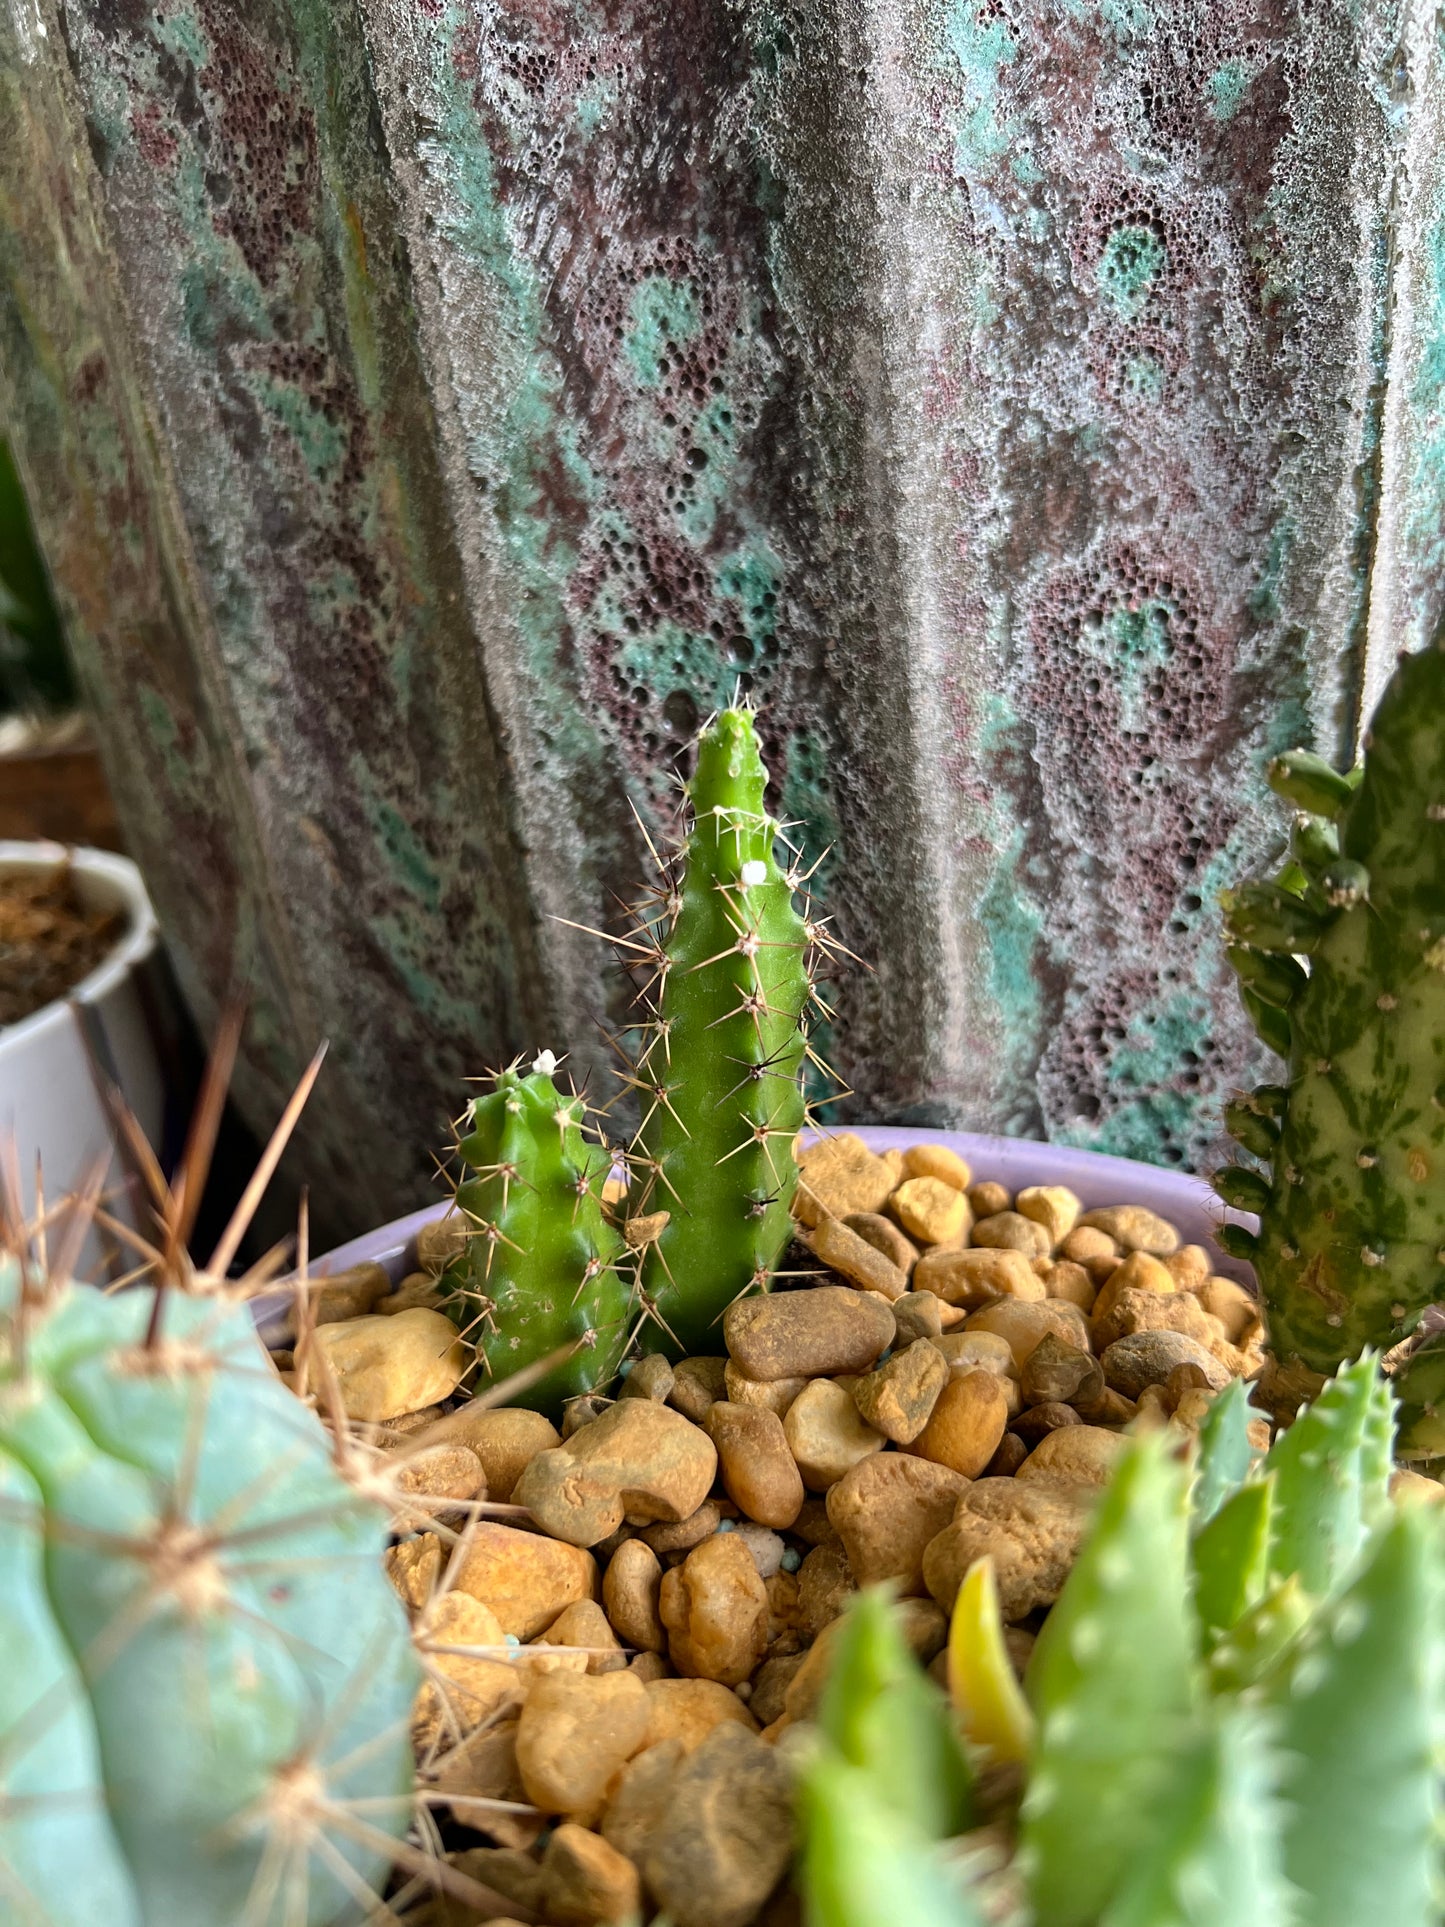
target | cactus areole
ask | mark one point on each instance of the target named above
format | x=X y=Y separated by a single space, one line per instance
x=205 y=1676
x=1342 y=966
x=719 y=1073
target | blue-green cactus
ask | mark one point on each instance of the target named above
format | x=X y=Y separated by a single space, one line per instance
x=540 y=1266
x=206 y=1678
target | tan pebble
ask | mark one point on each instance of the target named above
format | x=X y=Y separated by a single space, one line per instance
x=898 y=1170
x=1189 y=1266
x=726 y=1836
x=812 y=1525
x=967 y=1423
x=772 y=1394
x=639 y=1799
x=384 y=1367
x=441 y=1241
x=1023 y=1325
x=484 y=1767
x=860 y=1262
x=435 y=1472
x=1141 y=1311
x=808 y=1334
x=526 y=1579
x=686 y=1533
x=696 y=1383
x=921 y=1623
x=1152 y=1412
x=1032 y=1530
x=650 y=1666
x=414 y=1567
x=420 y=1288
x=1053 y=1206
x=758 y=1471
x=825 y=1585
x=650 y=1377
x=687 y=1710
x=1191 y=1408
x=898 y=1396
x=715 y=1608
x=505 y=1438
x=1408 y=1487
x=582 y=1410
x=918 y=1314
x=1009 y=1457
x=826 y=1433
x=1056 y=1371
x=1084 y=1452
x=1148 y=1358
x=1094 y=1250
x=584 y=1880
x=1064 y=1279
x=988 y=1198
x=884 y=1235
x=1011 y=1231
x=783 y=1595
x=840 y=1175
x=584 y=1625
x=1039 y=1420
x=576 y=1731
x=640 y=1461
x=1134 y=1229
x=462 y=1689
x=931 y=1211
x=1137 y=1272
x=773 y=1678
x=973 y=1279
x=887 y=1509
x=1109 y=1408
x=937 y=1161
x=406 y=1431
x=970 y=1351
x=509 y=1872
x=1237 y=1310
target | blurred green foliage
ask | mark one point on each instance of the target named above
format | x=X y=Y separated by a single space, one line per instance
x=35 y=670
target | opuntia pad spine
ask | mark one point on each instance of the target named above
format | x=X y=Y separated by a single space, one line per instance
x=720 y=1074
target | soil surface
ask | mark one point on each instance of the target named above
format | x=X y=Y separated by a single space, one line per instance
x=48 y=941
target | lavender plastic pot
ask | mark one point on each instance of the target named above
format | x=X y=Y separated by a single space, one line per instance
x=1185 y=1200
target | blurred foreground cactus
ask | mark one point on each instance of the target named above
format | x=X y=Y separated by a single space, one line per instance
x=1229 y=1716
x=539 y=1268
x=205 y=1676
x=1351 y=1193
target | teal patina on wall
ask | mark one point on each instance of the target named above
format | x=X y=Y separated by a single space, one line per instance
x=461 y=400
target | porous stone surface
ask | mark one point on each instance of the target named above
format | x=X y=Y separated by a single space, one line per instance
x=638 y=1460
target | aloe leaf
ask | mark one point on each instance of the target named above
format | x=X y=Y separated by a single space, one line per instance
x=1225 y=1453
x=1113 y=1684
x=1231 y=1558
x=860 y=1868
x=986 y=1695
x=1254 y=1644
x=1360 y=1709
x=1213 y=1859
x=886 y=1718
x=1331 y=1479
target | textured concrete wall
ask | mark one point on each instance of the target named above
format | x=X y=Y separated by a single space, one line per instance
x=435 y=406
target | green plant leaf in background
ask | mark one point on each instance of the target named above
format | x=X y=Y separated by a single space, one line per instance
x=34 y=667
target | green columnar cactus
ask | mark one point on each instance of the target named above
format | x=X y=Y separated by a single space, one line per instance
x=540 y=1266
x=1351 y=1244
x=206 y=1677
x=1236 y=1699
x=719 y=1076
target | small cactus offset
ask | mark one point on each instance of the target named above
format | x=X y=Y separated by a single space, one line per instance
x=206 y=1677
x=719 y=1074
x=540 y=1266
x=1231 y=1710
x=1351 y=1199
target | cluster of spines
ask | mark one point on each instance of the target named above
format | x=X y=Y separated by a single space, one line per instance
x=1341 y=966
x=539 y=1277
x=1228 y=1716
x=726 y=948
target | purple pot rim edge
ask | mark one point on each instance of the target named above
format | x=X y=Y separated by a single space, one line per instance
x=1098 y=1179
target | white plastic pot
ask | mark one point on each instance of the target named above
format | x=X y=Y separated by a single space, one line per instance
x=110 y=1027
